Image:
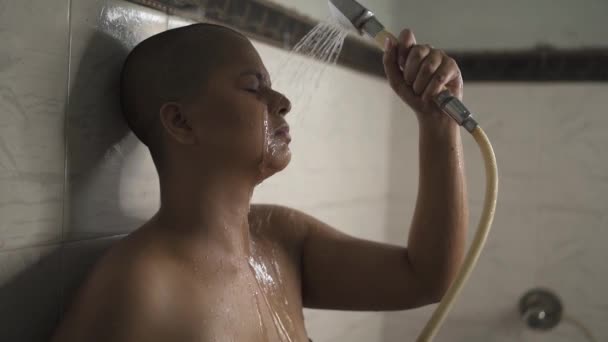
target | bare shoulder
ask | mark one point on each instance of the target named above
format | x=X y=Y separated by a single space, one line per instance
x=123 y=299
x=280 y=222
x=288 y=223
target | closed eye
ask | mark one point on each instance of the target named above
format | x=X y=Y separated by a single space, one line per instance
x=253 y=81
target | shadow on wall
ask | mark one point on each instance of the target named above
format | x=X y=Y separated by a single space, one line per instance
x=32 y=301
x=97 y=141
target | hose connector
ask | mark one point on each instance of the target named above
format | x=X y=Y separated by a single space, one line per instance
x=452 y=106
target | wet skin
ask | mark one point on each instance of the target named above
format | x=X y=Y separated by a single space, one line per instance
x=209 y=266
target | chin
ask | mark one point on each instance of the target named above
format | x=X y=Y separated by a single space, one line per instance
x=279 y=160
x=275 y=162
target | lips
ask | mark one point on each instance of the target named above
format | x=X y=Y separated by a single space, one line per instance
x=283 y=132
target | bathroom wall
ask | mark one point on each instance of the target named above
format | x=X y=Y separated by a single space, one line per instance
x=549 y=229
x=550 y=223
x=486 y=24
x=495 y=24
x=64 y=151
x=73 y=179
x=552 y=213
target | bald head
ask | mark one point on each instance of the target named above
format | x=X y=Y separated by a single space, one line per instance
x=170 y=66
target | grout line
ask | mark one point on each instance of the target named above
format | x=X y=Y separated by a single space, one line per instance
x=65 y=164
x=62 y=244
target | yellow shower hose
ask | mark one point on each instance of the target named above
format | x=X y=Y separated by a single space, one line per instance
x=483 y=228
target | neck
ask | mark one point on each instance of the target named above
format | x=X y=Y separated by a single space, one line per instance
x=208 y=206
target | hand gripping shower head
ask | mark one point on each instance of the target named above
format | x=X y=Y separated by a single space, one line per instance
x=351 y=14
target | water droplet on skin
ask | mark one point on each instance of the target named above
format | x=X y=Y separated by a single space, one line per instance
x=268 y=286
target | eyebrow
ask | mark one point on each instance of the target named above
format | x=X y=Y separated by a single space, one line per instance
x=262 y=76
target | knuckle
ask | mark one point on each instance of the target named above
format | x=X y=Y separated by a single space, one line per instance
x=418 y=52
x=427 y=68
x=436 y=57
x=451 y=62
x=441 y=77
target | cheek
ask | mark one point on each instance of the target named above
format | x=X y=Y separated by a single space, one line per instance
x=236 y=127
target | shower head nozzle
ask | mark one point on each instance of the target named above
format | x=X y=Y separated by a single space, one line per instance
x=351 y=14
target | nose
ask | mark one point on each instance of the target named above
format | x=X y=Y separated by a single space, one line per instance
x=281 y=104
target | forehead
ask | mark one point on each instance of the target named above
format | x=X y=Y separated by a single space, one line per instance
x=238 y=52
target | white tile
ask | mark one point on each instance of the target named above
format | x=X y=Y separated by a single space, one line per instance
x=403 y=325
x=33 y=78
x=29 y=293
x=573 y=143
x=572 y=215
x=572 y=263
x=112 y=181
x=175 y=21
x=333 y=326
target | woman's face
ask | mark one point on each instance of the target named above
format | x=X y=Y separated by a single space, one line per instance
x=238 y=118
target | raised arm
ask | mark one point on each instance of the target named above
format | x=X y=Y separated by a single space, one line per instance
x=343 y=272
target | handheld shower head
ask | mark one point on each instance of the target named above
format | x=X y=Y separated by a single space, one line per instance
x=352 y=15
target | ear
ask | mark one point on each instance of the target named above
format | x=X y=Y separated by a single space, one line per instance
x=176 y=123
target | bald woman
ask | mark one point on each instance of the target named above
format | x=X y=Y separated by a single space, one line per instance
x=209 y=265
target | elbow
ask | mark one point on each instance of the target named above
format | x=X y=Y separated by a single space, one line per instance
x=435 y=296
x=439 y=284
x=437 y=289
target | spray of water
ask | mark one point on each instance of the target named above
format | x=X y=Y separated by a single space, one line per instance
x=300 y=73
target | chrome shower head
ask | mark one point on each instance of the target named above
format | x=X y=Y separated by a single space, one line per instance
x=352 y=15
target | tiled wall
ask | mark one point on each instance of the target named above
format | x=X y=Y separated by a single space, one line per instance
x=550 y=225
x=494 y=24
x=73 y=179
x=65 y=153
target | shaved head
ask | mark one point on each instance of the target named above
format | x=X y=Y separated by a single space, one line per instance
x=170 y=66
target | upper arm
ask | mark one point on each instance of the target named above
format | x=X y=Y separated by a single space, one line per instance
x=340 y=271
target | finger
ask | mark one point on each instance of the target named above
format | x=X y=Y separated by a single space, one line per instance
x=406 y=41
x=427 y=68
x=412 y=63
x=391 y=68
x=447 y=72
x=455 y=85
